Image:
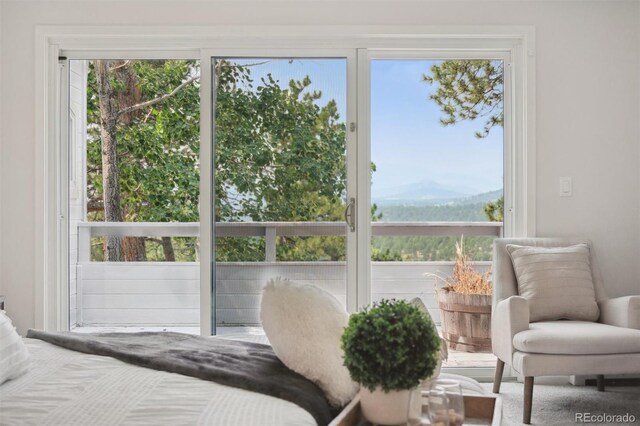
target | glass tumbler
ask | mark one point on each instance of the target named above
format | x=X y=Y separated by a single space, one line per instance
x=455 y=401
x=438 y=407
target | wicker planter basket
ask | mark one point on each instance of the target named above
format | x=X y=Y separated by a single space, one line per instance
x=466 y=320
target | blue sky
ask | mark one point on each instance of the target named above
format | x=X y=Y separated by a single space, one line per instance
x=408 y=144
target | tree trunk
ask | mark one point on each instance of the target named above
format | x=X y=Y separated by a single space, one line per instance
x=134 y=249
x=167 y=248
x=128 y=248
x=129 y=94
x=110 y=181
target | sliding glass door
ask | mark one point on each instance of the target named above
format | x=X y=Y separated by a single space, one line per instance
x=366 y=208
x=437 y=150
x=283 y=181
x=355 y=170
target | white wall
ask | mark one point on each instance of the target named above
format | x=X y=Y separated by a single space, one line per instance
x=588 y=105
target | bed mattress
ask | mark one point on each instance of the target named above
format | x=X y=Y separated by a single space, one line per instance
x=70 y=388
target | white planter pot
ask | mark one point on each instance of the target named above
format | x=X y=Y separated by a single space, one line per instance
x=384 y=408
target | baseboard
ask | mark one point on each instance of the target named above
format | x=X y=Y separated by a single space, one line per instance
x=610 y=380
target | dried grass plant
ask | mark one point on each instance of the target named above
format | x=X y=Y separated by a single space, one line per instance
x=465 y=279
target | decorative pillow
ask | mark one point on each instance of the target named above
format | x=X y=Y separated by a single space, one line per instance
x=444 y=352
x=304 y=324
x=14 y=357
x=556 y=281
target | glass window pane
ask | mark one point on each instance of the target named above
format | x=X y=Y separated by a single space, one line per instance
x=134 y=187
x=280 y=180
x=437 y=154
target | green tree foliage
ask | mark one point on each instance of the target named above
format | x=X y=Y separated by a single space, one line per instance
x=432 y=249
x=494 y=210
x=157 y=146
x=280 y=154
x=468 y=90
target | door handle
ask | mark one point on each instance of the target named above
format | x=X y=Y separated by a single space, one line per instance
x=350 y=214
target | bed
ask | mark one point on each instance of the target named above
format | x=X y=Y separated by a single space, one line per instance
x=65 y=387
x=132 y=378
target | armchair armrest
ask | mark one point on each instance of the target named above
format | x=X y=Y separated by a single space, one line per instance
x=621 y=312
x=509 y=317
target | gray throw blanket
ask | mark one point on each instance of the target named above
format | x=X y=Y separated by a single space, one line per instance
x=243 y=365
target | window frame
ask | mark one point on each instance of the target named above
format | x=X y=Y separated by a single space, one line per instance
x=82 y=42
x=350 y=57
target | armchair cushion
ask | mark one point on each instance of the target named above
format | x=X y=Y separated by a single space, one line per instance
x=577 y=338
x=556 y=281
x=511 y=316
x=621 y=311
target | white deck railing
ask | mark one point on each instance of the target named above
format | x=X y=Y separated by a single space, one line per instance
x=167 y=293
x=272 y=230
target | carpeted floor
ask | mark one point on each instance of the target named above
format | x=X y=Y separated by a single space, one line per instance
x=558 y=404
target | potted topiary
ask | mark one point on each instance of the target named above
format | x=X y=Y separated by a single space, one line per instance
x=389 y=349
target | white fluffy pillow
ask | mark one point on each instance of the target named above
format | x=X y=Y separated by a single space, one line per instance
x=444 y=351
x=14 y=357
x=304 y=325
x=557 y=282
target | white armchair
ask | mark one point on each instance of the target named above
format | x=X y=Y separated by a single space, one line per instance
x=548 y=348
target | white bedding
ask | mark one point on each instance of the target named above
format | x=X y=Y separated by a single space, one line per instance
x=70 y=388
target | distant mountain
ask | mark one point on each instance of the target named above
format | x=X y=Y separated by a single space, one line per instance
x=470 y=208
x=485 y=197
x=421 y=193
x=429 y=192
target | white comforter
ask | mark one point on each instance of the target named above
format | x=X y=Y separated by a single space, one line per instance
x=69 y=388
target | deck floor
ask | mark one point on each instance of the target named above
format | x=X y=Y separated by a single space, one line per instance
x=256 y=335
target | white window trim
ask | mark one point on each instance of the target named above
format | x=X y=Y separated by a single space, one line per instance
x=174 y=41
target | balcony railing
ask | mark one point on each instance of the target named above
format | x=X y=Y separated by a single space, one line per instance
x=167 y=293
x=272 y=230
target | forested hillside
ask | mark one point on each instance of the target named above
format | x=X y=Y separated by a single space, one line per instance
x=420 y=248
x=409 y=249
x=473 y=212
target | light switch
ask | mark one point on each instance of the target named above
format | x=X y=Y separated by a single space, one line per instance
x=565 y=186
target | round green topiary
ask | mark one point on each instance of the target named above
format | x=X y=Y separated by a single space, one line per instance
x=392 y=345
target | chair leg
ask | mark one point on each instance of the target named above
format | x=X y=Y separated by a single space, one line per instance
x=600 y=382
x=498 y=378
x=528 y=400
